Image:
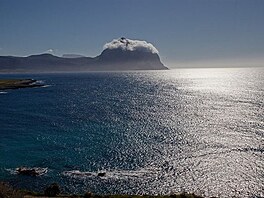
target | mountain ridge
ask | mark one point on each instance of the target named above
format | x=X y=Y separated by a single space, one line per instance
x=109 y=60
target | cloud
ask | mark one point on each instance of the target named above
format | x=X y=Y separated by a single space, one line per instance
x=49 y=51
x=131 y=45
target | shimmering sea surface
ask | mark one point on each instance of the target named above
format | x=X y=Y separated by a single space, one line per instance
x=151 y=132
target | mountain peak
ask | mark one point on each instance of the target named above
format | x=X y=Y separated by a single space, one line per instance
x=131 y=45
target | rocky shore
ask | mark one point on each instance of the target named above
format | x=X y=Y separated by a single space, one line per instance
x=53 y=190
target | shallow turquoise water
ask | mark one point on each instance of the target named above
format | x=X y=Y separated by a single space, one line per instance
x=193 y=130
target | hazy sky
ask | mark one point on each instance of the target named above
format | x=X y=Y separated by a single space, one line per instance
x=184 y=31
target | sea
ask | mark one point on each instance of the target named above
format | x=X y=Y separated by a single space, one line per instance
x=147 y=132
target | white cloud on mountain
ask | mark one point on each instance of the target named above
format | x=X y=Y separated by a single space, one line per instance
x=131 y=45
x=49 y=51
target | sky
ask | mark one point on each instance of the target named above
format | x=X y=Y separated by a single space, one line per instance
x=185 y=32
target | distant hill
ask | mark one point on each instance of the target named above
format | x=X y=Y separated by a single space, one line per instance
x=72 y=56
x=111 y=59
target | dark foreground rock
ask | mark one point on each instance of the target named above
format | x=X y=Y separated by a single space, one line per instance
x=53 y=190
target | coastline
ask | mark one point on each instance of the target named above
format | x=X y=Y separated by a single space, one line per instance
x=18 y=83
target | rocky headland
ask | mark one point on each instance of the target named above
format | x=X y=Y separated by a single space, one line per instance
x=18 y=83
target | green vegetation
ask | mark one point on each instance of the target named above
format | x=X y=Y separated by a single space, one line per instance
x=7 y=191
x=17 y=83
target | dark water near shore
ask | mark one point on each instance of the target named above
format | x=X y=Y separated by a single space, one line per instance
x=193 y=130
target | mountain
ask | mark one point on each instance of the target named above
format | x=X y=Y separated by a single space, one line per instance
x=43 y=63
x=72 y=56
x=127 y=55
x=119 y=59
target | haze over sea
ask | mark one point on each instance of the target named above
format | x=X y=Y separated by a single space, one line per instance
x=152 y=132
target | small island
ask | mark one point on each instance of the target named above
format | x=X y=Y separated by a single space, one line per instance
x=18 y=83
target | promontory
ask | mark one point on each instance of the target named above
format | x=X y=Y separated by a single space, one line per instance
x=17 y=83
